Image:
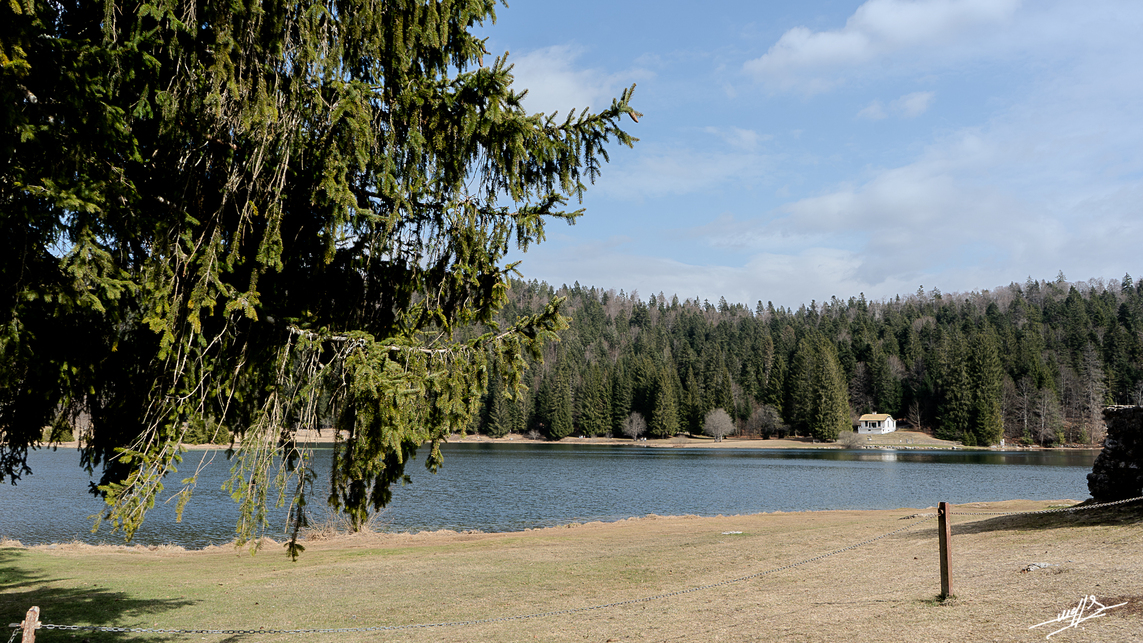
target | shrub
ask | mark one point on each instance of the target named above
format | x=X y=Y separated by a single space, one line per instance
x=634 y=426
x=718 y=424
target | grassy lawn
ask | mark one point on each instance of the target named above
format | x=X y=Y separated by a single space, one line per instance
x=883 y=591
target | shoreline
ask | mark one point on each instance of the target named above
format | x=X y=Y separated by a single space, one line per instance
x=330 y=539
x=901 y=439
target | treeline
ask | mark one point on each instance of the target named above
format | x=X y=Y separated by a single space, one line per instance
x=1033 y=362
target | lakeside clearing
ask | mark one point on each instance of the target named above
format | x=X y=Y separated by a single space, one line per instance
x=882 y=591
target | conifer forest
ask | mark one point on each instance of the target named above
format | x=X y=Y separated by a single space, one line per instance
x=1033 y=363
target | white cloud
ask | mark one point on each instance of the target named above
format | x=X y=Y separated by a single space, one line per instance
x=554 y=83
x=907 y=106
x=930 y=222
x=810 y=61
x=783 y=278
x=873 y=111
x=1015 y=199
x=1034 y=167
x=658 y=172
x=1053 y=182
x=915 y=217
x=915 y=104
x=743 y=139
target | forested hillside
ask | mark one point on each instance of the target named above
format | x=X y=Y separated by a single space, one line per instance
x=1035 y=362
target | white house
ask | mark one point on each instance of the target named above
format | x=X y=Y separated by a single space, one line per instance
x=876 y=423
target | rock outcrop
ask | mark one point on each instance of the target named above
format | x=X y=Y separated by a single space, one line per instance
x=1118 y=471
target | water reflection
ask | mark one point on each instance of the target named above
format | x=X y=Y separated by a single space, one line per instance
x=883 y=456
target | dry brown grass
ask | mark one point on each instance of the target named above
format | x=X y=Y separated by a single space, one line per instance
x=337 y=525
x=885 y=591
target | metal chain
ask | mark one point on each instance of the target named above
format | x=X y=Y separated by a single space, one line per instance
x=1046 y=511
x=19 y=626
x=575 y=610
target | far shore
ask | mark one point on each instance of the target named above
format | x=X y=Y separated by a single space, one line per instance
x=897 y=439
x=903 y=439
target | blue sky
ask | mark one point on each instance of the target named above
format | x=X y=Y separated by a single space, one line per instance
x=793 y=151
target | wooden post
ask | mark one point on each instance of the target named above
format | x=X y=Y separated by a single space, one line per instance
x=31 y=622
x=945 y=535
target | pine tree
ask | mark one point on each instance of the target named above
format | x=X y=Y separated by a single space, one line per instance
x=560 y=418
x=543 y=406
x=517 y=411
x=261 y=202
x=492 y=419
x=798 y=394
x=828 y=413
x=595 y=403
x=886 y=386
x=553 y=410
x=986 y=377
x=643 y=376
x=691 y=407
x=665 y=418
x=499 y=422
x=724 y=391
x=1077 y=333
x=1117 y=363
x=956 y=392
x=776 y=386
x=620 y=397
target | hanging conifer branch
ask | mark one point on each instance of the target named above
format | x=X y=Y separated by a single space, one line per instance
x=224 y=178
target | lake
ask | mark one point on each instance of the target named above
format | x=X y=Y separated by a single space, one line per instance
x=511 y=487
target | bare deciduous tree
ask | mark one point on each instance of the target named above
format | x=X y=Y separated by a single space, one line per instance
x=634 y=426
x=718 y=424
x=914 y=415
x=1019 y=407
x=861 y=389
x=1048 y=417
x=1094 y=394
x=766 y=421
x=1082 y=394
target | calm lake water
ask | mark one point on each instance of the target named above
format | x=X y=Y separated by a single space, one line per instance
x=510 y=487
